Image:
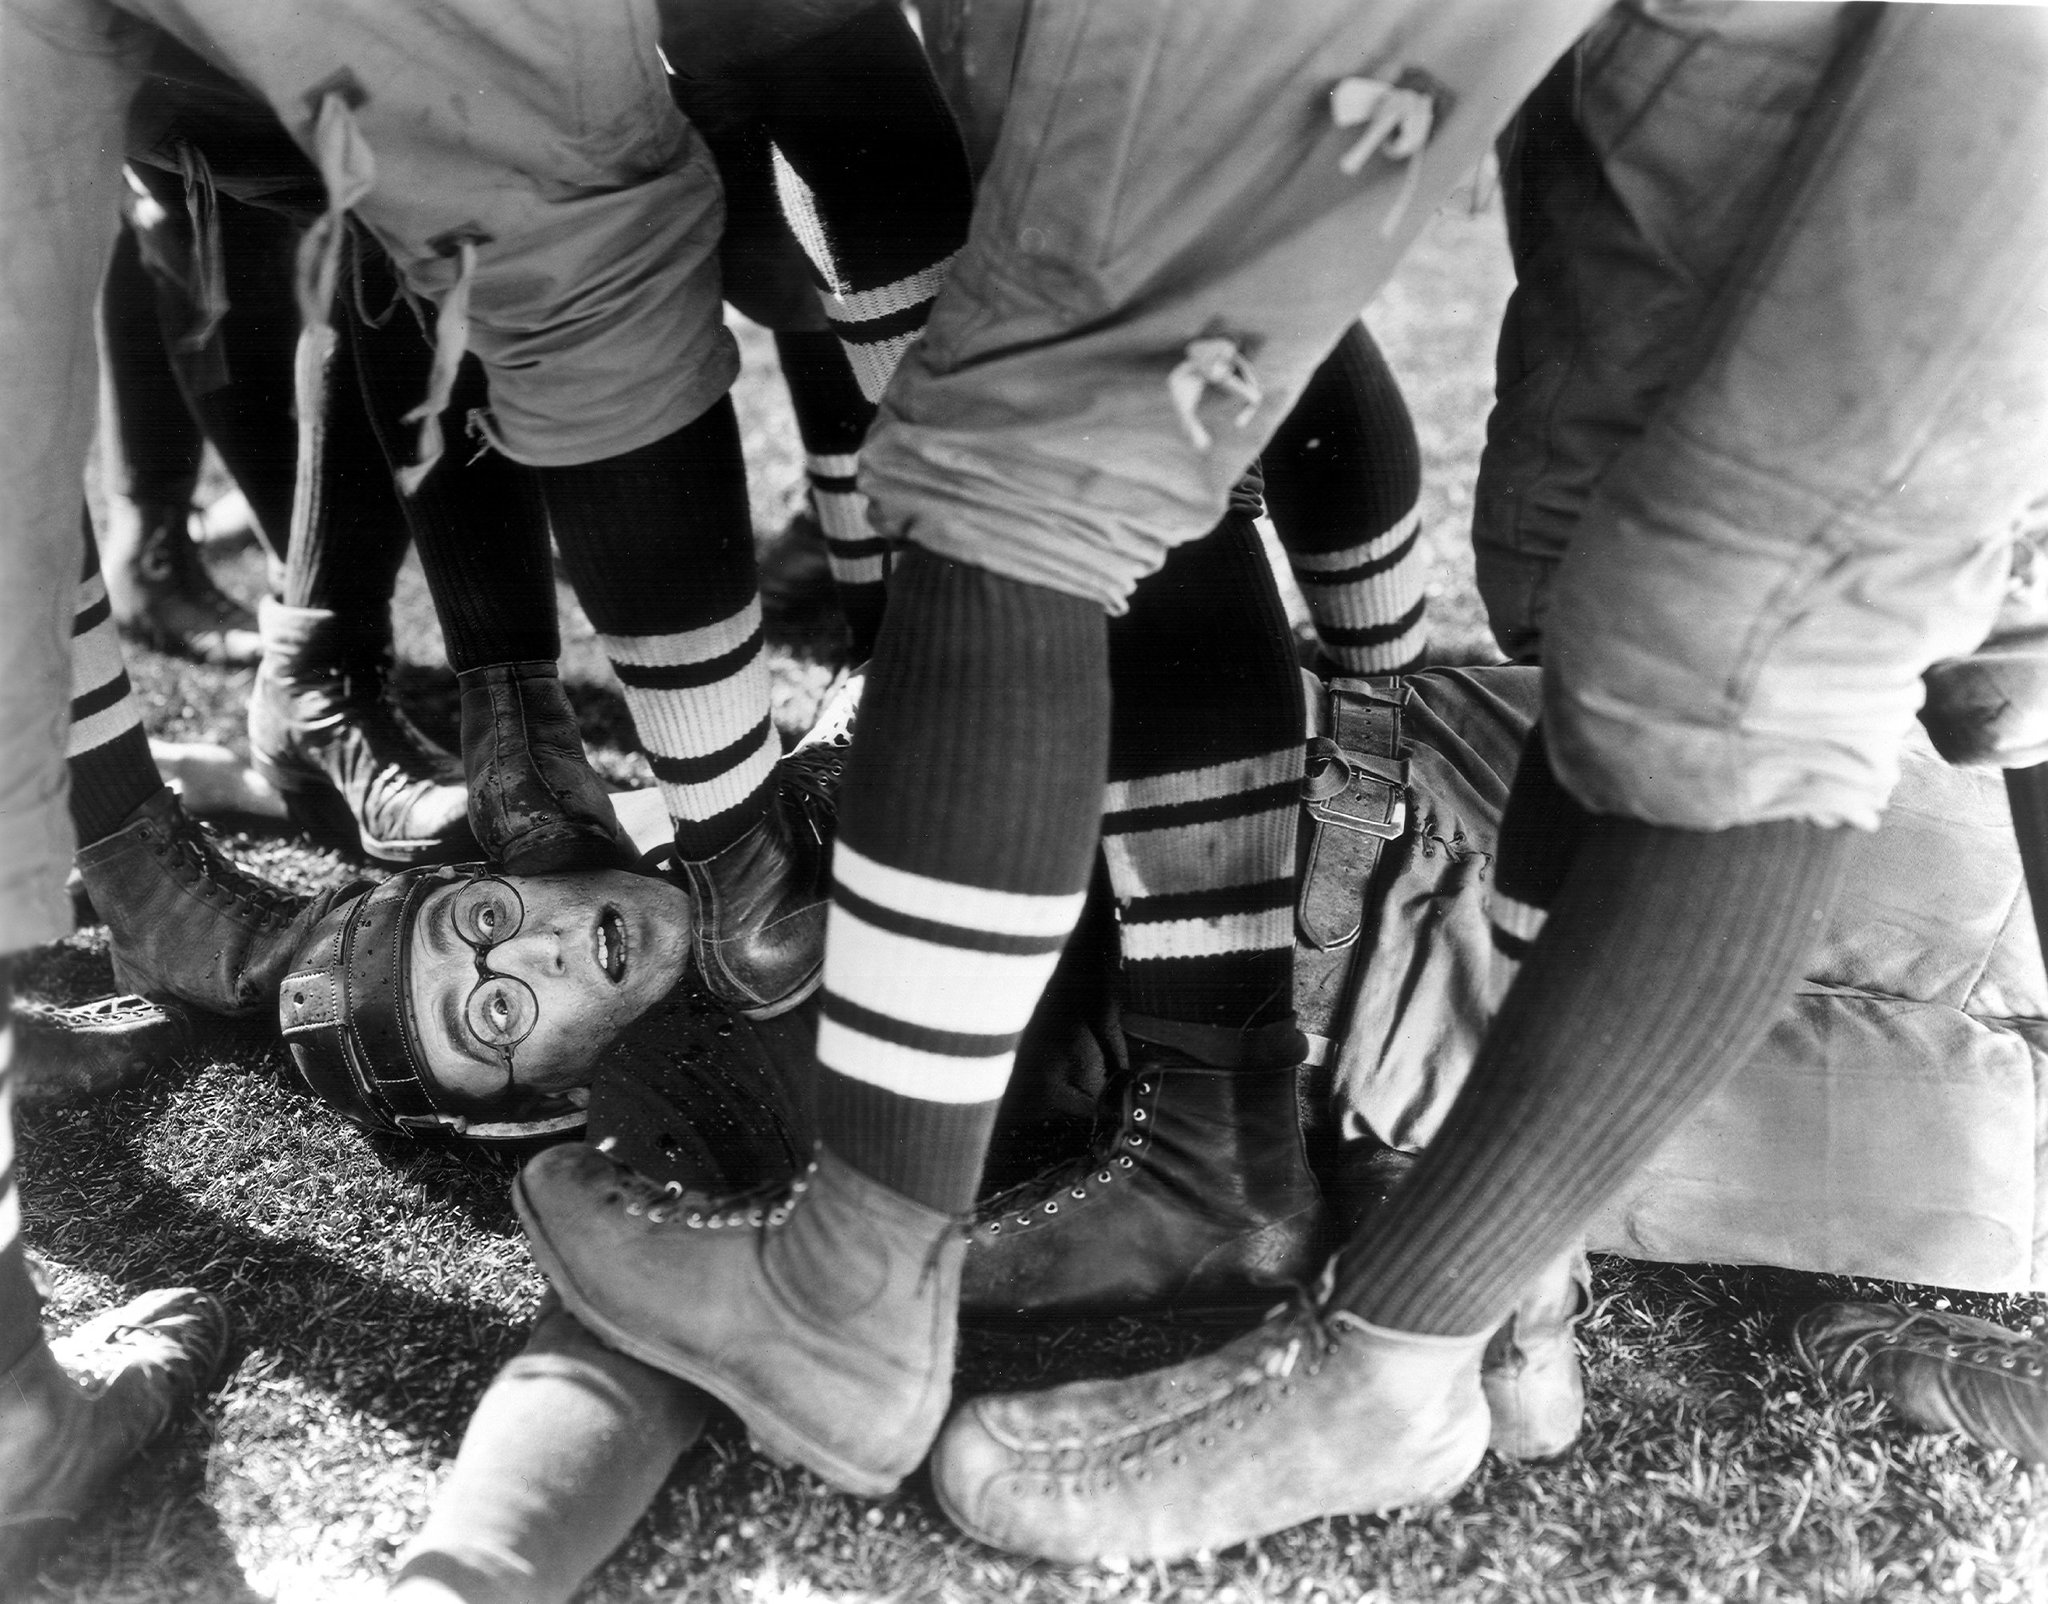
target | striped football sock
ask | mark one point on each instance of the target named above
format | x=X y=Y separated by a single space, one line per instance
x=112 y=772
x=873 y=178
x=659 y=544
x=1343 y=475
x=699 y=700
x=1199 y=818
x=968 y=829
x=832 y=416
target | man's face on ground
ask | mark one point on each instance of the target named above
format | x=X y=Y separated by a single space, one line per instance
x=571 y=959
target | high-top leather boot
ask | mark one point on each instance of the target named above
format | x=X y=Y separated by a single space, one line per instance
x=1199 y=1201
x=160 y=593
x=186 y=922
x=1534 y=1389
x=1941 y=1371
x=535 y=803
x=1312 y=1413
x=74 y=1412
x=821 y=1312
x=351 y=766
x=760 y=905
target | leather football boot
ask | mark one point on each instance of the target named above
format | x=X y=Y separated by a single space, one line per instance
x=1534 y=1389
x=760 y=904
x=186 y=922
x=821 y=1311
x=160 y=593
x=352 y=768
x=1200 y=1202
x=73 y=1413
x=1312 y=1413
x=535 y=803
x=95 y=1048
x=1940 y=1371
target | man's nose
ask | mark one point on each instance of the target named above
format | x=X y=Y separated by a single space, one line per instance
x=535 y=950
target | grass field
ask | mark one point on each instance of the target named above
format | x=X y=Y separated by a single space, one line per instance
x=376 y=1285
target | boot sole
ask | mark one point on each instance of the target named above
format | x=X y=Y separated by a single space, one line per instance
x=317 y=807
x=770 y=1435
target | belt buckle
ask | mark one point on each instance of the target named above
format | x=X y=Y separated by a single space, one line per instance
x=1389 y=829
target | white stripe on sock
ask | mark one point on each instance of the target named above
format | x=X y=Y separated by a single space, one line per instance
x=932 y=984
x=860 y=306
x=685 y=645
x=1207 y=938
x=832 y=464
x=1204 y=784
x=843 y=514
x=1332 y=562
x=1009 y=913
x=929 y=1077
x=1514 y=917
x=706 y=799
x=88 y=734
x=874 y=365
x=1212 y=855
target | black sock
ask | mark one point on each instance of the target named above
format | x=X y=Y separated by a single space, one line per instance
x=1198 y=826
x=250 y=416
x=1666 y=957
x=478 y=518
x=833 y=416
x=1343 y=474
x=659 y=544
x=349 y=533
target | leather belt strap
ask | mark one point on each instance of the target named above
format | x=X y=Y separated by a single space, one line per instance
x=1354 y=801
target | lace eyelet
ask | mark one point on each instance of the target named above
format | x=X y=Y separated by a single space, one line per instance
x=1052 y=1206
x=1077 y=1192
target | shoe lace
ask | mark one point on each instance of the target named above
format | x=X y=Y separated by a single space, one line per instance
x=699 y=1209
x=1927 y=1331
x=196 y=853
x=1109 y=1155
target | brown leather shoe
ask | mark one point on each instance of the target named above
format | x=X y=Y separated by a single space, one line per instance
x=535 y=803
x=1534 y=1389
x=353 y=769
x=1311 y=1413
x=75 y=1411
x=98 y=1047
x=1940 y=1371
x=161 y=594
x=821 y=1313
x=186 y=922
x=1199 y=1202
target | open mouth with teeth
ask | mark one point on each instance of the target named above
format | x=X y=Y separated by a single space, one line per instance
x=611 y=945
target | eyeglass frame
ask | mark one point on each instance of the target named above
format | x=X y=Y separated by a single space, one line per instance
x=480 y=951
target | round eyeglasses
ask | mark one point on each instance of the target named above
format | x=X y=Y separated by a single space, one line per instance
x=501 y=1010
